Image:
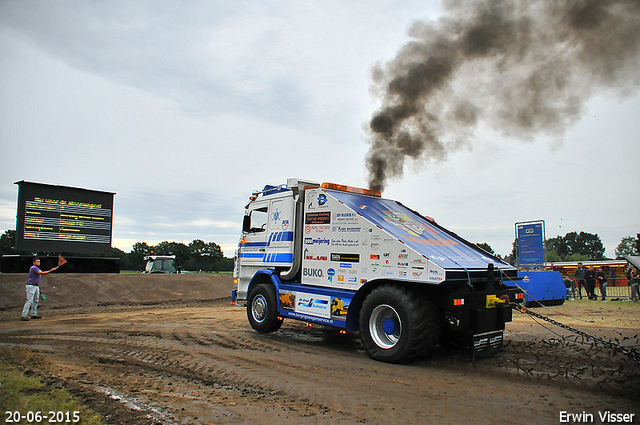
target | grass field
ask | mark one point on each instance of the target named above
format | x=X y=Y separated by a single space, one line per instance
x=26 y=399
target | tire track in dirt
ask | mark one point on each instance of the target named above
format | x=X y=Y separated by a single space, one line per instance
x=182 y=353
x=204 y=364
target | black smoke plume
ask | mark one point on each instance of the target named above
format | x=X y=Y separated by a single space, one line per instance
x=521 y=67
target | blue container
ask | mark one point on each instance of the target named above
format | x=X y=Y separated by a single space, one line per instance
x=547 y=287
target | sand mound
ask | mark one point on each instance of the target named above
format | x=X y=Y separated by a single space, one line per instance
x=67 y=290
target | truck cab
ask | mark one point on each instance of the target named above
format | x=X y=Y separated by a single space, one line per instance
x=347 y=258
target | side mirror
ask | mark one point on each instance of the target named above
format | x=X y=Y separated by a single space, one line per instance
x=246 y=224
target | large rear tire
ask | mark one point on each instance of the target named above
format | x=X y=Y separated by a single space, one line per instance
x=262 y=309
x=397 y=324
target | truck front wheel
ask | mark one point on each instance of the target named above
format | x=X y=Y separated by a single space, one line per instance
x=398 y=324
x=262 y=309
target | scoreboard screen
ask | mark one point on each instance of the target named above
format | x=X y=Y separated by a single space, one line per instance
x=63 y=219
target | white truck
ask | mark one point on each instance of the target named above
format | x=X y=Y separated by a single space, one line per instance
x=347 y=258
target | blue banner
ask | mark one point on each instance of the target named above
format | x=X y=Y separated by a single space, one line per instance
x=531 y=244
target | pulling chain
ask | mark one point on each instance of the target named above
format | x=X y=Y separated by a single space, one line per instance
x=631 y=352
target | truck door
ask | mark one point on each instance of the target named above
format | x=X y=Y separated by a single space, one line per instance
x=280 y=233
x=269 y=234
x=252 y=250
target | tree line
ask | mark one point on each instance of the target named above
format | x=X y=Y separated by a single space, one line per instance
x=196 y=256
x=203 y=256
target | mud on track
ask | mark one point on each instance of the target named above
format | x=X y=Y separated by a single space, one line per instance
x=199 y=362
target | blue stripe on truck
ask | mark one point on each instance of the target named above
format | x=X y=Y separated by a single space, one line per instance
x=269 y=258
x=273 y=237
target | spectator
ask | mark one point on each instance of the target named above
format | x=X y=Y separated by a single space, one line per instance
x=634 y=281
x=571 y=287
x=590 y=283
x=579 y=277
x=612 y=276
x=601 y=277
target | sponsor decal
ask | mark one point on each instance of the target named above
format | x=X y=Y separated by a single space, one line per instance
x=345 y=216
x=374 y=257
x=315 y=257
x=353 y=280
x=403 y=254
x=311 y=272
x=339 y=307
x=346 y=229
x=315 y=305
x=322 y=200
x=345 y=242
x=434 y=271
x=401 y=264
x=350 y=258
x=363 y=280
x=437 y=278
x=309 y=317
x=402 y=273
x=307 y=229
x=340 y=278
x=373 y=242
x=316 y=241
x=323 y=217
x=285 y=224
x=331 y=273
x=417 y=274
x=346 y=265
x=287 y=299
x=318 y=228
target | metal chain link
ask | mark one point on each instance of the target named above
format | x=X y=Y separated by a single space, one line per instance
x=631 y=352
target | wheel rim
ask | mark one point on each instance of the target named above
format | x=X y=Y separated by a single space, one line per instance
x=385 y=326
x=259 y=308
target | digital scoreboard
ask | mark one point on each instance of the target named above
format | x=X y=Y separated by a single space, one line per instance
x=63 y=219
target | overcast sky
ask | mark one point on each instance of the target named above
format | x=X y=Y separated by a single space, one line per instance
x=183 y=108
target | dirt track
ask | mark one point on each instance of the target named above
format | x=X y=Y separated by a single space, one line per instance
x=197 y=361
